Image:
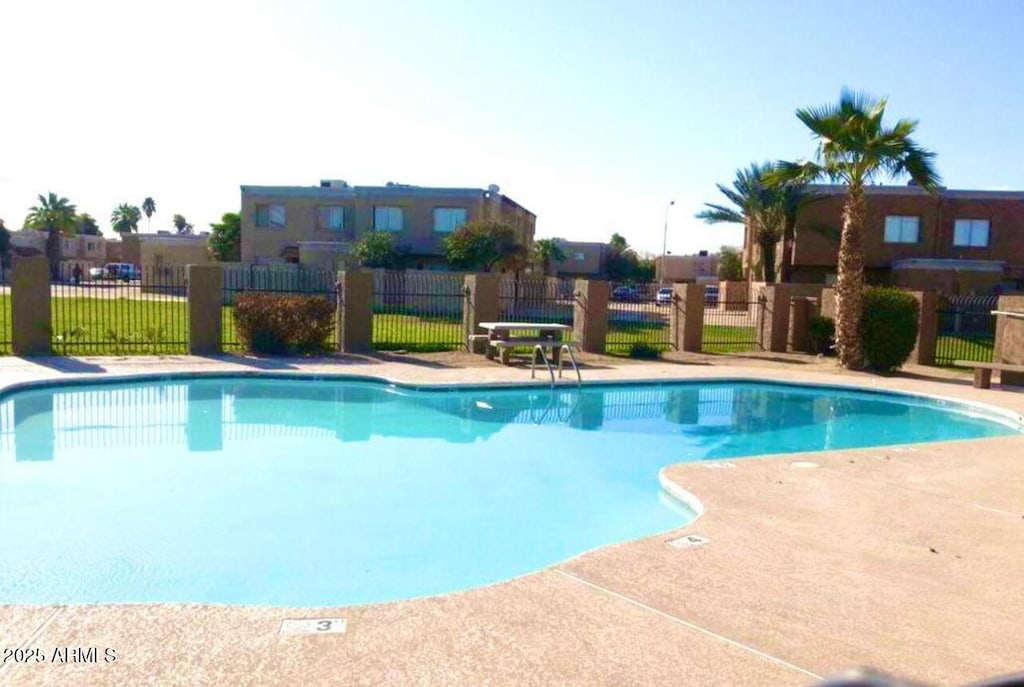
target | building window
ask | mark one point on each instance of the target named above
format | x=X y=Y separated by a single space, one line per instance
x=902 y=229
x=386 y=218
x=90 y=245
x=971 y=233
x=270 y=216
x=447 y=220
x=331 y=217
x=580 y=257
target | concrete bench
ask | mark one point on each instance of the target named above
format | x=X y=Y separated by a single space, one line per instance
x=983 y=371
x=505 y=346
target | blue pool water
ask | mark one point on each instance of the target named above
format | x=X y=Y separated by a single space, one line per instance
x=298 y=492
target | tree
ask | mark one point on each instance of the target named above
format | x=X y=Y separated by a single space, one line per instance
x=125 y=218
x=730 y=264
x=55 y=215
x=618 y=243
x=483 y=244
x=622 y=263
x=226 y=238
x=148 y=207
x=181 y=224
x=86 y=225
x=855 y=148
x=546 y=252
x=377 y=249
x=768 y=210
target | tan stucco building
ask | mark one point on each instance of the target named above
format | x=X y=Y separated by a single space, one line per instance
x=582 y=258
x=317 y=225
x=701 y=268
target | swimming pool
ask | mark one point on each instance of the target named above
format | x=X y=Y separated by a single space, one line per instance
x=256 y=490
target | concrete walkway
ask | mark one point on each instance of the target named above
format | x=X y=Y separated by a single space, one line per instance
x=906 y=558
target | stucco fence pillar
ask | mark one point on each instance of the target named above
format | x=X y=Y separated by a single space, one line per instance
x=481 y=305
x=1009 y=344
x=355 y=311
x=205 y=302
x=774 y=333
x=590 y=314
x=31 y=326
x=687 y=317
x=801 y=310
x=927 y=328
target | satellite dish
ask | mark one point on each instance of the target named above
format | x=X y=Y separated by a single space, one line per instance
x=493 y=188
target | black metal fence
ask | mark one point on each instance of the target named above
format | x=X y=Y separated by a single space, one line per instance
x=102 y=313
x=5 y=311
x=418 y=311
x=967 y=329
x=536 y=299
x=639 y=315
x=272 y=279
x=733 y=326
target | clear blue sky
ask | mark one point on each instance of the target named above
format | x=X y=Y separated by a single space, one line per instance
x=591 y=114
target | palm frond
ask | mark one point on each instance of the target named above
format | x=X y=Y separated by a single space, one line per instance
x=716 y=214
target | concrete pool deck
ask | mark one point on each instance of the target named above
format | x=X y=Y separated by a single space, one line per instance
x=907 y=558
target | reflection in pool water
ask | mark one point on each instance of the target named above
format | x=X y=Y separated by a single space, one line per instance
x=246 y=490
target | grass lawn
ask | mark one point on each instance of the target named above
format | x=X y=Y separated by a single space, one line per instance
x=950 y=348
x=422 y=334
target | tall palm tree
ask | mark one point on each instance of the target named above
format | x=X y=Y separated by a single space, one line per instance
x=125 y=218
x=148 y=207
x=545 y=252
x=55 y=215
x=854 y=148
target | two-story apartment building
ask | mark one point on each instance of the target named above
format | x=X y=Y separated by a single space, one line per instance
x=317 y=225
x=582 y=259
x=82 y=249
x=957 y=241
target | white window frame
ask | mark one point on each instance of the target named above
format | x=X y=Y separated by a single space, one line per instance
x=330 y=209
x=972 y=227
x=897 y=228
x=277 y=216
x=580 y=257
x=447 y=220
x=384 y=218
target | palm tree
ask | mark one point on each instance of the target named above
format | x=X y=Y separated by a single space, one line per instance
x=753 y=206
x=855 y=148
x=181 y=224
x=148 y=207
x=545 y=252
x=56 y=215
x=125 y=218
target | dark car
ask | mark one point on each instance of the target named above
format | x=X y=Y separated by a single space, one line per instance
x=625 y=293
x=711 y=295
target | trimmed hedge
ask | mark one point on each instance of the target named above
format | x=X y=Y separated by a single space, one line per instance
x=821 y=335
x=278 y=324
x=888 y=327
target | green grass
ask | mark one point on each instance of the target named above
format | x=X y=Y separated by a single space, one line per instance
x=729 y=339
x=422 y=334
x=950 y=348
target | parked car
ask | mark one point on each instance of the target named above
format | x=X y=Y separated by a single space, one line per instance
x=711 y=294
x=123 y=271
x=625 y=293
x=664 y=296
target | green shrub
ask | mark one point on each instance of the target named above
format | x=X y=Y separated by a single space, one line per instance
x=821 y=335
x=278 y=324
x=888 y=327
x=644 y=351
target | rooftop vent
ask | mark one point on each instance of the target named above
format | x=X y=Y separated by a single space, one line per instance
x=333 y=183
x=494 y=188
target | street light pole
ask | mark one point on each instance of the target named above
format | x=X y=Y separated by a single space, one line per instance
x=664 y=241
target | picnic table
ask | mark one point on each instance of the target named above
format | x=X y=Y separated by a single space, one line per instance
x=502 y=337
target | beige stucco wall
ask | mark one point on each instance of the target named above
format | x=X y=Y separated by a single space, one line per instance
x=301 y=218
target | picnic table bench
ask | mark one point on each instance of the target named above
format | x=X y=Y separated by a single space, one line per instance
x=983 y=371
x=501 y=338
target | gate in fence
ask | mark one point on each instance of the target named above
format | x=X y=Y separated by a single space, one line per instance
x=418 y=311
x=106 y=312
x=639 y=315
x=967 y=329
x=733 y=326
x=281 y=280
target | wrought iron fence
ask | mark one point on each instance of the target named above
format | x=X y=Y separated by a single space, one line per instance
x=732 y=326
x=418 y=311
x=967 y=329
x=639 y=315
x=137 y=312
x=5 y=311
x=536 y=299
x=272 y=279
